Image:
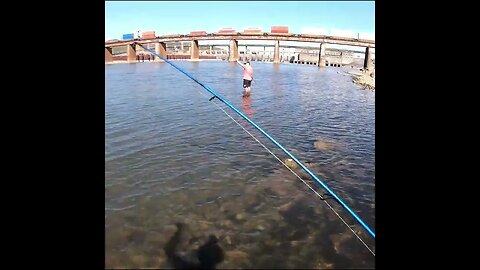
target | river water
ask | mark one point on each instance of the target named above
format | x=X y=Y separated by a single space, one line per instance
x=172 y=156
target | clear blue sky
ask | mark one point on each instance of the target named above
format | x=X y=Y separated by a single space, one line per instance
x=170 y=17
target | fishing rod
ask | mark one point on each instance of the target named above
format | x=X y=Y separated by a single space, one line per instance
x=226 y=102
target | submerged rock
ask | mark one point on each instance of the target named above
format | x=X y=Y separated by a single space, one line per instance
x=237 y=258
x=324 y=265
x=285 y=207
x=281 y=189
x=228 y=240
x=136 y=236
x=226 y=223
x=240 y=216
x=139 y=260
x=324 y=145
x=112 y=262
x=290 y=163
x=155 y=238
x=203 y=225
x=260 y=228
x=341 y=243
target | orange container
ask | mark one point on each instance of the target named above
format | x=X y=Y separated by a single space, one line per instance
x=149 y=34
x=279 y=29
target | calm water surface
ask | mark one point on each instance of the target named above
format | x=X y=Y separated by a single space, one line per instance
x=173 y=156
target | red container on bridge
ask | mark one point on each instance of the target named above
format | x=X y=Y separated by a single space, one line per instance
x=149 y=34
x=279 y=29
x=198 y=33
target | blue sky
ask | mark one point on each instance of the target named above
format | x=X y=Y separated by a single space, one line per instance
x=171 y=17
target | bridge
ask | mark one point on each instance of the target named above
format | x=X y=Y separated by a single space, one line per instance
x=160 y=44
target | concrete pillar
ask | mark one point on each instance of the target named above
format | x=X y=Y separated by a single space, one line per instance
x=131 y=53
x=181 y=46
x=194 y=50
x=367 y=63
x=276 y=53
x=108 y=55
x=160 y=49
x=234 y=55
x=321 y=56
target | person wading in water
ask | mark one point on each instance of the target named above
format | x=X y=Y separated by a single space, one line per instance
x=247 y=77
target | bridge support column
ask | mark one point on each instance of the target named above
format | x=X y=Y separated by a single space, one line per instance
x=108 y=55
x=194 y=51
x=160 y=49
x=234 y=55
x=276 y=53
x=321 y=56
x=131 y=53
x=367 y=63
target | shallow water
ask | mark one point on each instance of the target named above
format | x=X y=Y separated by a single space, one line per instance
x=172 y=156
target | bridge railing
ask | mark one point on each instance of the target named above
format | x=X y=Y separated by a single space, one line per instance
x=311 y=36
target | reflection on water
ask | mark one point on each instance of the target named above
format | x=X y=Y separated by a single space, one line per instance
x=247 y=107
x=172 y=156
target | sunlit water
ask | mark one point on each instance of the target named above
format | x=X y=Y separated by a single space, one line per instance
x=172 y=156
